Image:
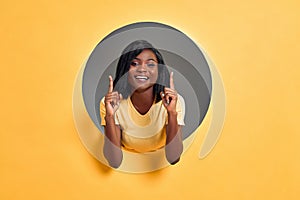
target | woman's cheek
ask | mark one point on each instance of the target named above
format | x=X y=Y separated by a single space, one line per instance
x=154 y=76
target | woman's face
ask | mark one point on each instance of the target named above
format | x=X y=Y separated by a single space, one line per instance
x=143 y=71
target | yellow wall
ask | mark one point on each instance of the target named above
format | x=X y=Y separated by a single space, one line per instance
x=254 y=44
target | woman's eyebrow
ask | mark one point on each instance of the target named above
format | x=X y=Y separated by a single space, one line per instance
x=150 y=59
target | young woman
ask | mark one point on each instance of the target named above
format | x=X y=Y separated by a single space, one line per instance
x=142 y=111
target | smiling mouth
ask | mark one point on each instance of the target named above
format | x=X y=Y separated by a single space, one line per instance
x=142 y=78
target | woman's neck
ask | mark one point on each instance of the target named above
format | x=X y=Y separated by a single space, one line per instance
x=143 y=100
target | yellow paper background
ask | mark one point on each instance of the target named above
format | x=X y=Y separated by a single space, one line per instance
x=255 y=45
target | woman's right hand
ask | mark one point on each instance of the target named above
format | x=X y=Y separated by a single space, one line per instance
x=112 y=99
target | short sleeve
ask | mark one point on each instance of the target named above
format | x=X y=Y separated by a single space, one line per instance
x=180 y=109
x=103 y=113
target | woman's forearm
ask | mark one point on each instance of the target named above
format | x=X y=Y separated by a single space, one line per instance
x=112 y=143
x=174 y=146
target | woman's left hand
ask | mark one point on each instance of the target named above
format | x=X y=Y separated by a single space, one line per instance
x=169 y=96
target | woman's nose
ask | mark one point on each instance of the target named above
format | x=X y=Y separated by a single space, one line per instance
x=142 y=67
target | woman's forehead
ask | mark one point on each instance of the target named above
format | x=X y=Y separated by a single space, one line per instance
x=145 y=55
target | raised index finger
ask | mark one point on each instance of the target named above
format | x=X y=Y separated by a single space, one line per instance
x=111 y=84
x=172 y=81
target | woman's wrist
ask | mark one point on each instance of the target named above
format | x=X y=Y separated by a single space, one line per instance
x=172 y=113
x=109 y=117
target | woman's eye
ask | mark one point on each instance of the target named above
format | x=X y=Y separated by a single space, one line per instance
x=134 y=64
x=151 y=64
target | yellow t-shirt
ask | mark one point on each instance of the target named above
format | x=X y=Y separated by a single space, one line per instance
x=143 y=133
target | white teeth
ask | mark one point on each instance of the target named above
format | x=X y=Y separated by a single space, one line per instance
x=142 y=77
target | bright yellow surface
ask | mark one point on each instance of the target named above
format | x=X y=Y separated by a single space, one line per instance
x=255 y=45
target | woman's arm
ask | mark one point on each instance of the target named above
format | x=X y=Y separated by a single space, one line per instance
x=112 y=143
x=174 y=146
